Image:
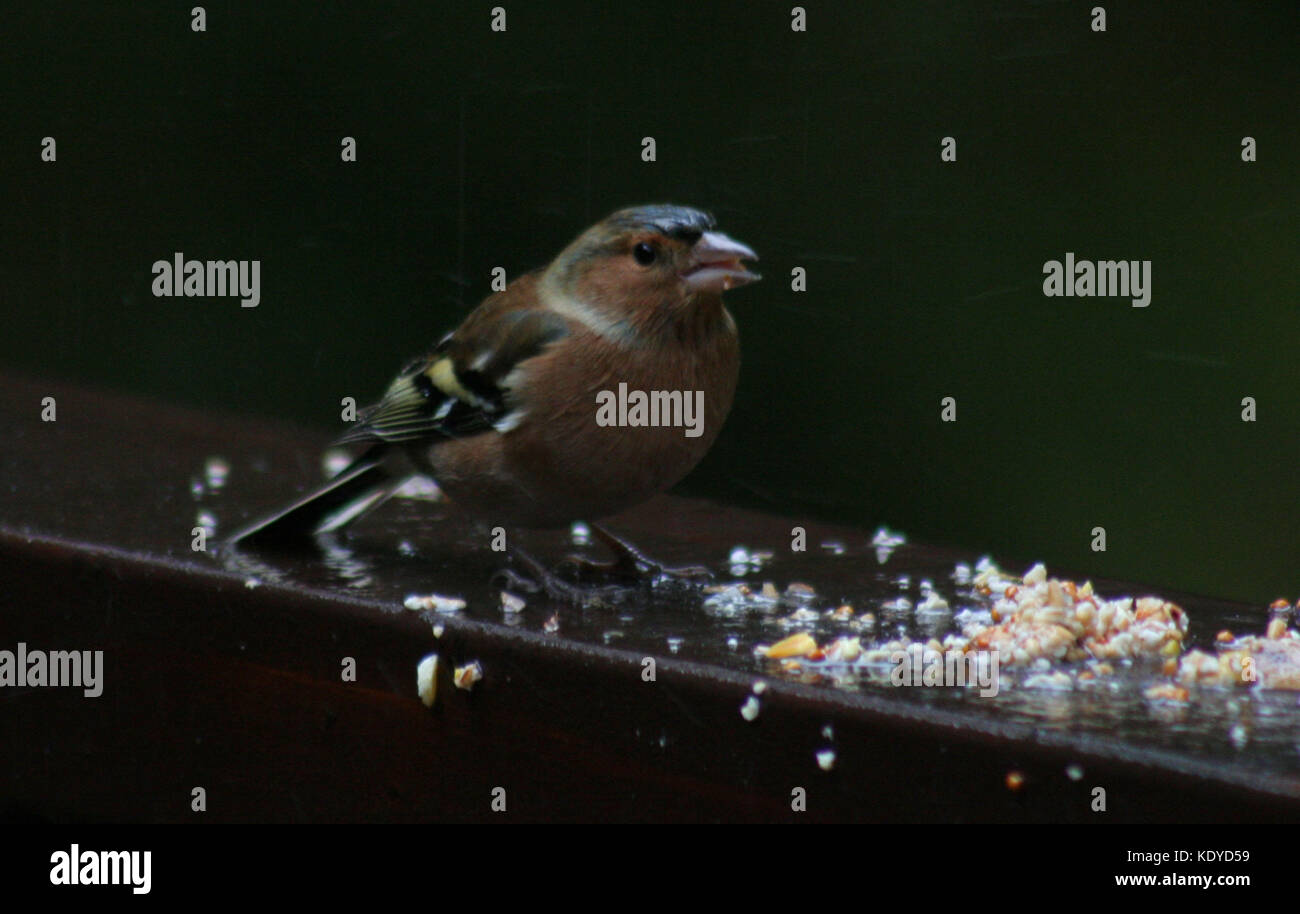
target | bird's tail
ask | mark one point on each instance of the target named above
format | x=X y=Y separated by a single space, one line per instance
x=364 y=485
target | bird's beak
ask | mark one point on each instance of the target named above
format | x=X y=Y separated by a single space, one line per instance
x=716 y=264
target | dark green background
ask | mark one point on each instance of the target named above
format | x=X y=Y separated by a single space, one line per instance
x=820 y=150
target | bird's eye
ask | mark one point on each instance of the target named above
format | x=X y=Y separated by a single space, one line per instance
x=644 y=253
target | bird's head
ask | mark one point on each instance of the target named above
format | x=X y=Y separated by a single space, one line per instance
x=659 y=258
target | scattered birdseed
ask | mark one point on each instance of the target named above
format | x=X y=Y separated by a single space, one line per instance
x=843 y=650
x=466 y=676
x=899 y=606
x=738 y=597
x=426 y=679
x=884 y=537
x=580 y=534
x=1268 y=662
x=551 y=625
x=759 y=687
x=800 y=592
x=933 y=603
x=1058 y=682
x=799 y=644
x=800 y=617
x=826 y=759
x=738 y=588
x=436 y=602
x=511 y=603
x=885 y=544
x=1074 y=772
x=1166 y=691
x=1036 y=575
x=749 y=710
x=438 y=630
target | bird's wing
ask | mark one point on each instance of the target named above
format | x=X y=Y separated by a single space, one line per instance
x=461 y=388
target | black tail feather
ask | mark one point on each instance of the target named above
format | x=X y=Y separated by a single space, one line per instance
x=363 y=486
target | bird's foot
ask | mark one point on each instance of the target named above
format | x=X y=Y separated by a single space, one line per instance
x=630 y=563
x=540 y=579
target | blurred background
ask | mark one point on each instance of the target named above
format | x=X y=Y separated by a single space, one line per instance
x=820 y=149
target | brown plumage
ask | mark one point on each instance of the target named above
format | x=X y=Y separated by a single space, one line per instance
x=503 y=412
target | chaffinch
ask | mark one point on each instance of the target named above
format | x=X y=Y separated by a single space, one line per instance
x=535 y=411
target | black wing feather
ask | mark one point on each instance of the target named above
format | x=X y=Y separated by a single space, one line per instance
x=460 y=389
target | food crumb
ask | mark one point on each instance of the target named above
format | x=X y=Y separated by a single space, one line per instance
x=466 y=676
x=800 y=644
x=436 y=602
x=426 y=679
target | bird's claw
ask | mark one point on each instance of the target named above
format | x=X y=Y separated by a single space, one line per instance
x=541 y=580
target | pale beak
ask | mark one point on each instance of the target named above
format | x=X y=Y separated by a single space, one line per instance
x=717 y=265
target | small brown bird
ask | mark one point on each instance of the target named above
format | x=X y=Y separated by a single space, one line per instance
x=536 y=410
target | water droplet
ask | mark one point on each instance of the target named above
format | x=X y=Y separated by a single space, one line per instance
x=334 y=461
x=216 y=470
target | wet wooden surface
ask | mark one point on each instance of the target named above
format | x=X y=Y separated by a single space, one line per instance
x=223 y=671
